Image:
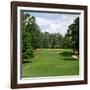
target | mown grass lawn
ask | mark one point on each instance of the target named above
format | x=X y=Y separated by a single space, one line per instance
x=51 y=62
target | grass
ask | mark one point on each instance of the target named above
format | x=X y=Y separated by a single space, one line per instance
x=51 y=62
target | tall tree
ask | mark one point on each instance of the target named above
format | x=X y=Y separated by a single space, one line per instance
x=73 y=31
x=28 y=22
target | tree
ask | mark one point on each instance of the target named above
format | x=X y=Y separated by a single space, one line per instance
x=46 y=40
x=73 y=32
x=58 y=40
x=67 y=41
x=52 y=40
x=27 y=49
x=31 y=35
x=35 y=35
x=41 y=39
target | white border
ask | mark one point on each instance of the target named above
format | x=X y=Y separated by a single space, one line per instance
x=54 y=78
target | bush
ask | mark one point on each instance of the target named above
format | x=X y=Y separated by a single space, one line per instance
x=28 y=54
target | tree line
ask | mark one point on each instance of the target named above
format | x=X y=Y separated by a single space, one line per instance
x=33 y=38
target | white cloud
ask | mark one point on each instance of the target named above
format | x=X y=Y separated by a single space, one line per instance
x=43 y=21
x=56 y=28
x=58 y=25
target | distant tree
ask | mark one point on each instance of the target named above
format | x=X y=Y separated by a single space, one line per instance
x=35 y=35
x=41 y=39
x=46 y=39
x=67 y=42
x=52 y=40
x=58 y=40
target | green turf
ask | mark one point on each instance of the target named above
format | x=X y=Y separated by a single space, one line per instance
x=51 y=62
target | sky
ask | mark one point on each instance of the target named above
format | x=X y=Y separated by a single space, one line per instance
x=54 y=22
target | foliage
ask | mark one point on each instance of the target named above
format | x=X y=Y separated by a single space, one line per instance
x=73 y=32
x=33 y=38
x=27 y=49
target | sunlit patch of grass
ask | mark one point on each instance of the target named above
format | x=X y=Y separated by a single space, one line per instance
x=47 y=62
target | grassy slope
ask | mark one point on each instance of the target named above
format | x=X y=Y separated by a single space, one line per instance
x=47 y=62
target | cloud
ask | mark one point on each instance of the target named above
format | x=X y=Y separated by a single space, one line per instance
x=57 y=28
x=43 y=21
x=57 y=24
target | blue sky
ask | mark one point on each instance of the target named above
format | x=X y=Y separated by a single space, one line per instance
x=54 y=22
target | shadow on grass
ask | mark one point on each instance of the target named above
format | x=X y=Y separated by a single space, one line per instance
x=26 y=61
x=69 y=58
x=66 y=55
